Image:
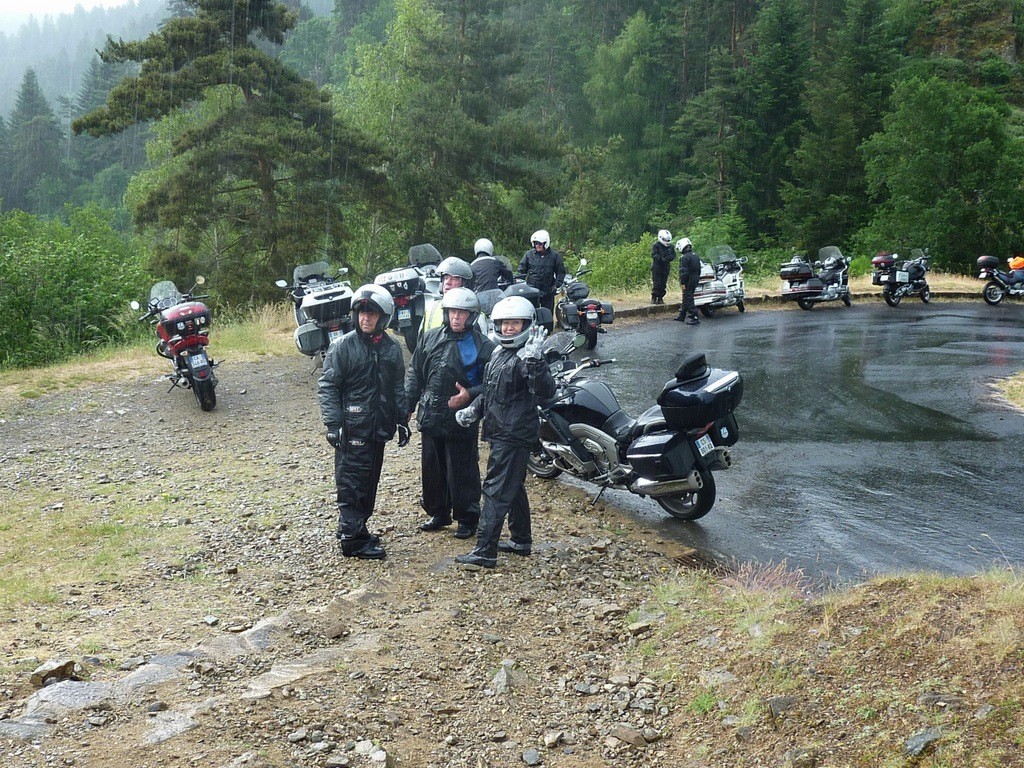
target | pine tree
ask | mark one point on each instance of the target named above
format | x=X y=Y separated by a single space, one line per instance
x=254 y=179
x=35 y=144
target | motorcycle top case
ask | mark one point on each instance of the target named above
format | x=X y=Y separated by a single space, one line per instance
x=328 y=304
x=699 y=394
x=309 y=338
x=577 y=291
x=186 y=319
x=798 y=270
x=528 y=292
x=988 y=262
x=883 y=261
x=404 y=281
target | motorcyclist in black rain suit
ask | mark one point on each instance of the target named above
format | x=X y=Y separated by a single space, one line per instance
x=362 y=401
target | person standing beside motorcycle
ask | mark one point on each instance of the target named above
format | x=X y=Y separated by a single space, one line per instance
x=454 y=273
x=445 y=374
x=362 y=402
x=661 y=256
x=516 y=379
x=689 y=276
x=543 y=269
x=491 y=275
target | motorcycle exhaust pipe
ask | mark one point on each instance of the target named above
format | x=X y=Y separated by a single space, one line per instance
x=721 y=460
x=656 y=488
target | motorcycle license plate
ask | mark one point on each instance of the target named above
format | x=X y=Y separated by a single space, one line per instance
x=902 y=277
x=196 y=361
x=404 y=314
x=591 y=315
x=332 y=336
x=704 y=445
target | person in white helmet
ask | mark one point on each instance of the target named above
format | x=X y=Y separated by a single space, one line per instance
x=689 y=276
x=491 y=274
x=445 y=373
x=661 y=256
x=362 y=401
x=542 y=268
x=515 y=380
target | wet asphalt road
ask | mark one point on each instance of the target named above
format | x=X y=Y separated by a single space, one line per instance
x=870 y=440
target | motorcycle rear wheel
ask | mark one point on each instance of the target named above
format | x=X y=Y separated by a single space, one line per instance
x=707 y=310
x=892 y=299
x=926 y=294
x=590 y=334
x=205 y=394
x=993 y=293
x=541 y=465
x=691 y=505
x=410 y=335
x=805 y=304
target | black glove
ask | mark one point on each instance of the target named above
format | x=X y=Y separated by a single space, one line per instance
x=335 y=436
x=403 y=435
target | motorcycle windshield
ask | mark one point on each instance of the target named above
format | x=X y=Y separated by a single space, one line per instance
x=317 y=269
x=829 y=252
x=164 y=294
x=721 y=254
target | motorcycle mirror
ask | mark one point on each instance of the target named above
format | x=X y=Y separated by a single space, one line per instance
x=134 y=305
x=583 y=262
x=579 y=340
x=281 y=283
x=343 y=271
x=200 y=279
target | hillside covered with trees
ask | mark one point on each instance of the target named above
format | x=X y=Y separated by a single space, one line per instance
x=240 y=137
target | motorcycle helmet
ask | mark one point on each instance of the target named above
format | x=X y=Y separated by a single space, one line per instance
x=458 y=268
x=683 y=244
x=461 y=298
x=541 y=236
x=665 y=236
x=513 y=308
x=483 y=247
x=376 y=298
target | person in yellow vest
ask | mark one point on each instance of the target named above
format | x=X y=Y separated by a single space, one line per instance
x=454 y=273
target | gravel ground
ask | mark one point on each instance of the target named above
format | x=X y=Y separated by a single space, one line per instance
x=291 y=654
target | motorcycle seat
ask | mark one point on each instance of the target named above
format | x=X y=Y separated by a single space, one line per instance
x=650 y=420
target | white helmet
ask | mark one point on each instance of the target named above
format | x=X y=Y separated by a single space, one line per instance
x=483 y=247
x=665 y=236
x=513 y=308
x=461 y=298
x=683 y=244
x=541 y=236
x=457 y=267
x=376 y=298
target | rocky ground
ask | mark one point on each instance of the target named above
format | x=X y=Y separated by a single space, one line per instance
x=181 y=578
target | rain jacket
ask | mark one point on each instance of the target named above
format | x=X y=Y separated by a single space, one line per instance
x=544 y=271
x=512 y=389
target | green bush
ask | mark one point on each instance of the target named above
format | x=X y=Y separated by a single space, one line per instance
x=64 y=288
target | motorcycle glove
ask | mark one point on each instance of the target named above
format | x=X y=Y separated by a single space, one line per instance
x=403 y=435
x=534 y=347
x=335 y=436
x=466 y=416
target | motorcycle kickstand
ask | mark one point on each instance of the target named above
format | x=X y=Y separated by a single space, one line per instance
x=600 y=493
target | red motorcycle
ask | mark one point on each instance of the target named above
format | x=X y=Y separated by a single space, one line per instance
x=182 y=327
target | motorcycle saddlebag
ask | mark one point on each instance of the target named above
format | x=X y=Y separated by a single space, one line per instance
x=607 y=313
x=568 y=314
x=661 y=455
x=309 y=338
x=329 y=304
x=577 y=291
x=988 y=262
x=799 y=270
x=699 y=394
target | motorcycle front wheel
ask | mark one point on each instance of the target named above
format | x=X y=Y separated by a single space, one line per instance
x=926 y=294
x=541 y=465
x=892 y=299
x=805 y=304
x=740 y=306
x=205 y=394
x=993 y=293
x=691 y=505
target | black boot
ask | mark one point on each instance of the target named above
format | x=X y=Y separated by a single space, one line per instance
x=523 y=550
x=436 y=523
x=465 y=531
x=474 y=559
x=362 y=547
